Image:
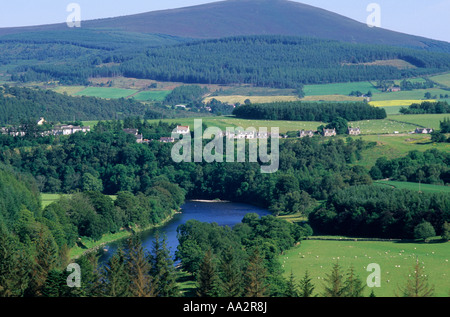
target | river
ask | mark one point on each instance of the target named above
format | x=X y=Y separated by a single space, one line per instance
x=222 y=213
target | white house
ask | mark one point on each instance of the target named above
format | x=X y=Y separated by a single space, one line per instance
x=183 y=129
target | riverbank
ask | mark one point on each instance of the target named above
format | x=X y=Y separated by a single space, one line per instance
x=85 y=246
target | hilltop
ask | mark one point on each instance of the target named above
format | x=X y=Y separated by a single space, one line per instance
x=248 y=17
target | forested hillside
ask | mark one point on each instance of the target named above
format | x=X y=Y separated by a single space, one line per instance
x=267 y=61
x=274 y=61
x=21 y=104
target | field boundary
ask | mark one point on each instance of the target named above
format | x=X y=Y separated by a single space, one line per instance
x=359 y=239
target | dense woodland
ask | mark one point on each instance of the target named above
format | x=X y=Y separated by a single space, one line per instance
x=309 y=111
x=372 y=211
x=427 y=107
x=267 y=61
x=23 y=104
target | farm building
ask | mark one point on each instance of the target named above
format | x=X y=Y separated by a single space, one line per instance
x=309 y=133
x=182 y=129
x=423 y=131
x=165 y=139
x=329 y=132
x=354 y=131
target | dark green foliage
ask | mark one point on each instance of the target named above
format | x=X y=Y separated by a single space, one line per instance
x=372 y=211
x=18 y=104
x=186 y=95
x=427 y=107
x=276 y=61
x=424 y=230
x=431 y=167
x=309 y=111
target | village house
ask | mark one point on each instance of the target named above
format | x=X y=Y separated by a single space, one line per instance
x=309 y=133
x=166 y=139
x=423 y=131
x=135 y=132
x=354 y=131
x=69 y=129
x=182 y=129
x=329 y=132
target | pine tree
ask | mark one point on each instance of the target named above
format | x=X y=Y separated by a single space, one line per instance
x=14 y=266
x=256 y=276
x=114 y=278
x=162 y=268
x=353 y=286
x=207 y=278
x=45 y=260
x=55 y=284
x=306 y=286
x=334 y=282
x=417 y=284
x=291 y=288
x=231 y=274
x=138 y=267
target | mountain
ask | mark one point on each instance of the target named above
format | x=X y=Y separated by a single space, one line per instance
x=251 y=17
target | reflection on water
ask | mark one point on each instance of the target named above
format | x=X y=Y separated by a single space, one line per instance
x=222 y=213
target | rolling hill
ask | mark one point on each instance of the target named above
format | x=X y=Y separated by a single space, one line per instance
x=249 y=17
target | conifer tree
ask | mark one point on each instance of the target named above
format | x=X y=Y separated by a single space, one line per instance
x=115 y=279
x=306 y=286
x=207 y=278
x=45 y=260
x=138 y=266
x=334 y=286
x=417 y=284
x=291 y=287
x=255 y=276
x=230 y=274
x=162 y=268
x=353 y=286
x=14 y=266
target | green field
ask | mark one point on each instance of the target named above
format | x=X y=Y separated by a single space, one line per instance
x=422 y=120
x=415 y=186
x=47 y=199
x=396 y=261
x=442 y=79
x=152 y=95
x=395 y=146
x=339 y=89
x=107 y=93
x=416 y=94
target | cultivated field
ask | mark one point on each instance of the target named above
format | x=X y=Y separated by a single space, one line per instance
x=105 y=92
x=442 y=79
x=415 y=186
x=396 y=261
x=156 y=95
x=339 y=89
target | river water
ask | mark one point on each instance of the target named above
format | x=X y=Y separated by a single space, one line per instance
x=222 y=213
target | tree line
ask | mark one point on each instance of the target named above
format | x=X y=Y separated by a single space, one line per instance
x=427 y=107
x=310 y=111
x=374 y=211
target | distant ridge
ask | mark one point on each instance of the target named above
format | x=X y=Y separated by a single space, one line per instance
x=251 y=17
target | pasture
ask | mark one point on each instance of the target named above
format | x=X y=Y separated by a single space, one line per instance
x=415 y=186
x=339 y=89
x=154 y=95
x=442 y=79
x=106 y=93
x=396 y=260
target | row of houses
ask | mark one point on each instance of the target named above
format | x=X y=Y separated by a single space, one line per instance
x=328 y=132
x=57 y=130
x=253 y=134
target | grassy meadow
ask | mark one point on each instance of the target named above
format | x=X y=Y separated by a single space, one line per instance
x=105 y=92
x=429 y=188
x=396 y=261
